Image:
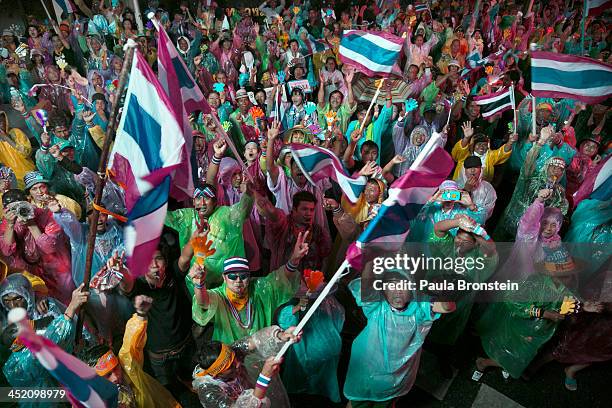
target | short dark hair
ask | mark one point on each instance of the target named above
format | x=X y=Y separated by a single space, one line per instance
x=301 y=196
x=208 y=354
x=91 y=355
x=336 y=92
x=368 y=144
x=293 y=41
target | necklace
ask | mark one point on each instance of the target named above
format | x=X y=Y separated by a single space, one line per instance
x=249 y=313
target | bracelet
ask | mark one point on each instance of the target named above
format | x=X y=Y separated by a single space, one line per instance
x=44 y=148
x=291 y=267
x=535 y=312
x=141 y=314
x=197 y=286
x=263 y=382
x=337 y=210
x=216 y=160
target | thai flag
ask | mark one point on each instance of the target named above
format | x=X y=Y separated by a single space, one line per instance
x=186 y=97
x=373 y=53
x=474 y=61
x=494 y=103
x=407 y=195
x=84 y=387
x=597 y=185
x=419 y=7
x=596 y=7
x=148 y=149
x=316 y=46
x=567 y=76
x=318 y=163
x=62 y=6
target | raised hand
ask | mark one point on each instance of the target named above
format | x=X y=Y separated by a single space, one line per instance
x=300 y=249
x=398 y=158
x=143 y=304
x=274 y=130
x=369 y=169
x=220 y=147
x=468 y=131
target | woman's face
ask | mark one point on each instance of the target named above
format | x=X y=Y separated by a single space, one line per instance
x=297 y=98
x=371 y=193
x=330 y=65
x=418 y=138
x=214 y=100
x=555 y=172
x=95 y=45
x=481 y=147
x=237 y=179
x=260 y=97
x=38 y=59
x=127 y=25
x=298 y=137
x=335 y=100
x=183 y=44
x=221 y=77
x=53 y=75
x=33 y=32
x=589 y=148
x=549 y=228
x=455 y=46
x=97 y=80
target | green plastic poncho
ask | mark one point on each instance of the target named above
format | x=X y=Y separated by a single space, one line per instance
x=311 y=365
x=385 y=355
x=266 y=294
x=225 y=232
x=509 y=335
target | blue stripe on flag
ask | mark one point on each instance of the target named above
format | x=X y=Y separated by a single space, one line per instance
x=369 y=49
x=311 y=160
x=151 y=201
x=590 y=78
x=604 y=191
x=392 y=220
x=82 y=388
x=146 y=131
x=184 y=78
x=356 y=187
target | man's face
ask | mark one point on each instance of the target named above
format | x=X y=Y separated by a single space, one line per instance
x=297 y=175
x=455 y=46
x=481 y=147
x=61 y=132
x=473 y=109
x=33 y=32
x=13 y=301
x=335 y=99
x=549 y=228
x=68 y=153
x=250 y=152
x=398 y=299
x=464 y=243
x=199 y=143
x=362 y=115
x=303 y=214
x=237 y=283
x=244 y=104
x=205 y=206
x=419 y=138
x=294 y=47
x=117 y=64
x=102 y=220
x=298 y=72
x=369 y=154
x=39 y=191
x=97 y=80
x=156 y=274
x=589 y=148
x=260 y=97
x=330 y=65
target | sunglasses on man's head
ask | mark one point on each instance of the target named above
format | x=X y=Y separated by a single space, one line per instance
x=233 y=276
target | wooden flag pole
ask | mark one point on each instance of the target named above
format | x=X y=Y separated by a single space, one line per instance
x=101 y=180
x=374 y=99
x=49 y=14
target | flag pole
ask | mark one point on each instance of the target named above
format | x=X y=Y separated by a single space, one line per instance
x=48 y=14
x=513 y=107
x=582 y=27
x=101 y=180
x=374 y=99
x=315 y=305
x=533 y=117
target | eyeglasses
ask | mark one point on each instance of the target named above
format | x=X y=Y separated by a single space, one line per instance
x=242 y=276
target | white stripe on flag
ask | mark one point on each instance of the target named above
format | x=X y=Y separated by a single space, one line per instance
x=568 y=66
x=487 y=101
x=596 y=91
x=380 y=41
x=412 y=195
x=496 y=110
x=144 y=229
x=363 y=60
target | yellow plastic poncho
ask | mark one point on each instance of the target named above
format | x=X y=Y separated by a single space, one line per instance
x=18 y=157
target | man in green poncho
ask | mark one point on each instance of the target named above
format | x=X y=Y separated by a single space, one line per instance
x=223 y=223
x=471 y=242
x=242 y=305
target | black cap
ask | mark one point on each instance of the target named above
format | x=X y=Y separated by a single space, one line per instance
x=471 y=162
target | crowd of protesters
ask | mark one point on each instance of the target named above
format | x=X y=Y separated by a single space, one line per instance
x=239 y=266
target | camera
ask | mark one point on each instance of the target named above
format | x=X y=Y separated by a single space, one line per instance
x=24 y=210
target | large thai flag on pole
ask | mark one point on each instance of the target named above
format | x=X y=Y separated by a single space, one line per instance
x=148 y=149
x=62 y=6
x=84 y=387
x=373 y=53
x=567 y=76
x=598 y=184
x=496 y=102
x=407 y=195
x=318 y=163
x=186 y=97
